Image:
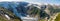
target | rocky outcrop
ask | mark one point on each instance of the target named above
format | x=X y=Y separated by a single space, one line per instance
x=7 y=15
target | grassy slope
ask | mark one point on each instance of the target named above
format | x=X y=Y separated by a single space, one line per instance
x=8 y=12
x=58 y=18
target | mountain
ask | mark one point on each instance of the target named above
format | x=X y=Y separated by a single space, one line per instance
x=6 y=15
x=17 y=10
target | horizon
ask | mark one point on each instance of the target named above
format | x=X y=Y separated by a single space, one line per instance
x=35 y=1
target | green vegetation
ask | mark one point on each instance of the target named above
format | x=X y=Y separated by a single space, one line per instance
x=42 y=20
x=58 y=17
x=3 y=18
x=33 y=11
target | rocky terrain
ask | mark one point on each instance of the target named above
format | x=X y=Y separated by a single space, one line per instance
x=6 y=15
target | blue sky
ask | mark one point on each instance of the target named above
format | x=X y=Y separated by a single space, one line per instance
x=39 y=1
x=45 y=1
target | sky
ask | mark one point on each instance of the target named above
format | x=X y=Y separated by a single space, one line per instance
x=37 y=1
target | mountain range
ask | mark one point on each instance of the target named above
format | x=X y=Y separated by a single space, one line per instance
x=22 y=9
